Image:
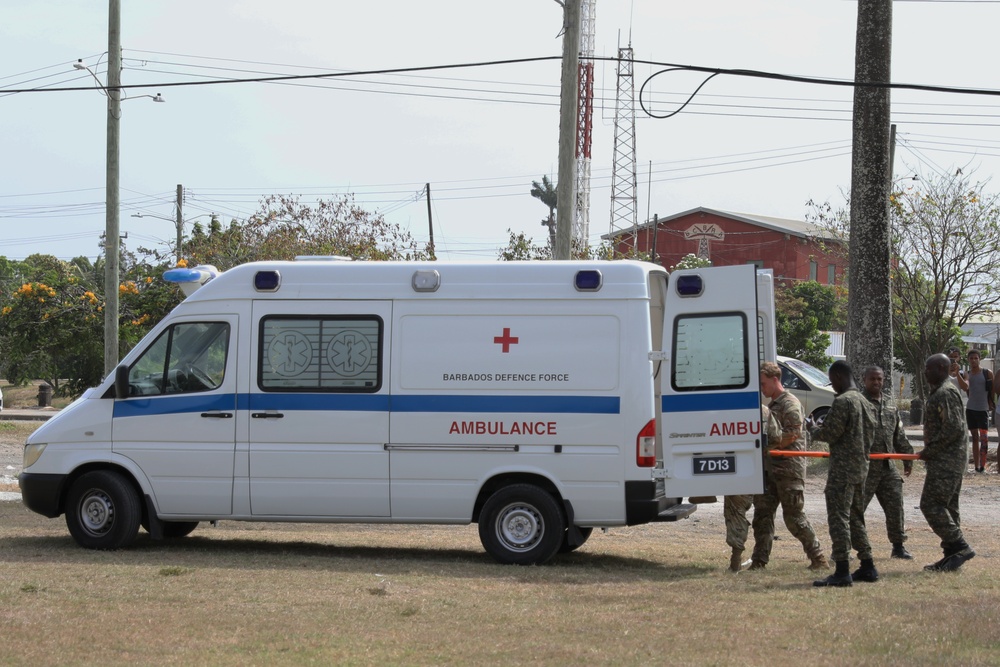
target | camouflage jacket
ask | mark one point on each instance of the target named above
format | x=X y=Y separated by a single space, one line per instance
x=787 y=412
x=849 y=429
x=889 y=433
x=946 y=440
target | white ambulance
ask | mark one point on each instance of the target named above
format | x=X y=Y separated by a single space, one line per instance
x=540 y=400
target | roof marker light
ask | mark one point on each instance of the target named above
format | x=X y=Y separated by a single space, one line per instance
x=426 y=280
x=690 y=285
x=589 y=280
x=266 y=281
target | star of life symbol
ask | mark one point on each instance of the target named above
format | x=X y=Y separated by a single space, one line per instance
x=289 y=353
x=349 y=353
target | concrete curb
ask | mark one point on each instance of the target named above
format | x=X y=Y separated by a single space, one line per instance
x=22 y=414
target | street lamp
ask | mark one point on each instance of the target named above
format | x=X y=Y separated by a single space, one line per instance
x=178 y=222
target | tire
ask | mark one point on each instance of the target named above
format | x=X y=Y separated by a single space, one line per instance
x=565 y=548
x=103 y=511
x=522 y=524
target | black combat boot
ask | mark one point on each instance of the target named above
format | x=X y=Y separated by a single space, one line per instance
x=955 y=555
x=840 y=578
x=866 y=572
x=899 y=551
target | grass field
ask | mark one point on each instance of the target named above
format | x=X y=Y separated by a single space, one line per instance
x=252 y=593
x=289 y=594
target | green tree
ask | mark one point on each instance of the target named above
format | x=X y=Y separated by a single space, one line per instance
x=945 y=263
x=800 y=309
x=50 y=327
x=284 y=228
x=546 y=193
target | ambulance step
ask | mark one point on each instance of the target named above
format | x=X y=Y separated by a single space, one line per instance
x=677 y=512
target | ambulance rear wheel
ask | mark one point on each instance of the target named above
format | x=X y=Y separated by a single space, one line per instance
x=565 y=548
x=522 y=524
x=103 y=511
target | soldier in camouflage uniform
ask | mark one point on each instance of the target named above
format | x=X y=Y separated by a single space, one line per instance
x=946 y=454
x=848 y=429
x=883 y=480
x=735 y=508
x=786 y=484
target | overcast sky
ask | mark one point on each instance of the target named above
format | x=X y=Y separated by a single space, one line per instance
x=479 y=135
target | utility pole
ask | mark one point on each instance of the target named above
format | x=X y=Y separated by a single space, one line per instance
x=111 y=196
x=180 y=220
x=430 y=221
x=566 y=195
x=869 y=308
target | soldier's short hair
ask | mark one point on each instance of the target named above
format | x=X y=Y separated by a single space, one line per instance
x=873 y=369
x=841 y=368
x=770 y=369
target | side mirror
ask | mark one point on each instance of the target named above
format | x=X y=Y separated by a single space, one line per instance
x=121 y=381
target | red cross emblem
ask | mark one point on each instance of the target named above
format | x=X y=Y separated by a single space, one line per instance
x=506 y=340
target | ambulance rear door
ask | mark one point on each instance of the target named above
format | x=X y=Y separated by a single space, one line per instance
x=710 y=395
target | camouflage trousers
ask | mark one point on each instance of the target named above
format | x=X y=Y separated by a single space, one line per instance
x=845 y=514
x=884 y=483
x=734 y=510
x=788 y=494
x=939 y=503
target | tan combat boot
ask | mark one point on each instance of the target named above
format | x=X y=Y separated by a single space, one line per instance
x=819 y=563
x=736 y=560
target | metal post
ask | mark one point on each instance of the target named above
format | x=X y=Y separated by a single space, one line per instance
x=111 y=231
x=180 y=220
x=430 y=221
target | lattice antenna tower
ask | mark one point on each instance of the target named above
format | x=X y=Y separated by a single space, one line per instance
x=623 y=180
x=584 y=123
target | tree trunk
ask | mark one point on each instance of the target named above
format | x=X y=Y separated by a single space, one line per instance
x=869 y=309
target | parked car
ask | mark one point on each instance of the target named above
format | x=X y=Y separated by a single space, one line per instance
x=808 y=384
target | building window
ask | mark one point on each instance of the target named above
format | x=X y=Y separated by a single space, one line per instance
x=759 y=263
x=813 y=268
x=831 y=274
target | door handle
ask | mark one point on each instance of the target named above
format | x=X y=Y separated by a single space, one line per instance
x=218 y=415
x=266 y=415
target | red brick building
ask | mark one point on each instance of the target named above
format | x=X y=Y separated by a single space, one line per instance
x=793 y=249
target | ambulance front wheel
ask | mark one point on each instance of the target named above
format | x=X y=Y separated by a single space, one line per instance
x=103 y=510
x=522 y=524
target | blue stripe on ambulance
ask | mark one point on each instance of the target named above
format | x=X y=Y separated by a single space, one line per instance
x=706 y=402
x=164 y=405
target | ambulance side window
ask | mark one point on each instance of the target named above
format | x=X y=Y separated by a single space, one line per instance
x=330 y=353
x=186 y=358
x=710 y=352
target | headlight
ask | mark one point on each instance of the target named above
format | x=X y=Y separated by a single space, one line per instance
x=31 y=454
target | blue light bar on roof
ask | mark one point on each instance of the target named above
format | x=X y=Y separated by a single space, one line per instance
x=190 y=280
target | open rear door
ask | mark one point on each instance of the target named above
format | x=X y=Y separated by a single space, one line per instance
x=714 y=337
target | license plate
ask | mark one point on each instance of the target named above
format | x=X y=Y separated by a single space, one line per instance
x=714 y=465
